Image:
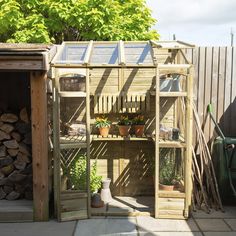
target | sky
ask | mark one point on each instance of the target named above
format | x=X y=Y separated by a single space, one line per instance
x=201 y=22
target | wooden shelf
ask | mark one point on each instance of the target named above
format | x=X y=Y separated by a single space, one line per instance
x=72 y=94
x=171 y=144
x=171 y=194
x=169 y=94
x=173 y=94
x=67 y=142
x=120 y=138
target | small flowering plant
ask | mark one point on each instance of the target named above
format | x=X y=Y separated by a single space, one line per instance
x=124 y=120
x=138 y=120
x=102 y=122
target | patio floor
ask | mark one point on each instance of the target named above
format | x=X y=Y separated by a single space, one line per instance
x=201 y=224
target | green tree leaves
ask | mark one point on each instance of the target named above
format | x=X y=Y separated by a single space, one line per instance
x=57 y=20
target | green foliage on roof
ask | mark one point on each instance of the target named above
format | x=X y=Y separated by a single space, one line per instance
x=45 y=21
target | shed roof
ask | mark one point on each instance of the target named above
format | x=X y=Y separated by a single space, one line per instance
x=25 y=57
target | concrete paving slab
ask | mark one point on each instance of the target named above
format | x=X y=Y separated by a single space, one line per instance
x=231 y=223
x=214 y=225
x=106 y=227
x=50 y=228
x=100 y=210
x=170 y=234
x=230 y=212
x=150 y=224
x=219 y=233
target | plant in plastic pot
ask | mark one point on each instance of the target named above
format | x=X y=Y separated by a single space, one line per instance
x=167 y=173
x=103 y=124
x=138 y=123
x=124 y=125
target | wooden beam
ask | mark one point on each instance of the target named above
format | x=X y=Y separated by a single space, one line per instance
x=121 y=52
x=39 y=145
x=88 y=132
x=22 y=64
x=157 y=127
x=189 y=133
x=88 y=53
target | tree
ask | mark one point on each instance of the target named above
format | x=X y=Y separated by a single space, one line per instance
x=45 y=21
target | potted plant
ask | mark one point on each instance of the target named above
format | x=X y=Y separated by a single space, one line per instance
x=167 y=173
x=124 y=125
x=103 y=124
x=78 y=174
x=139 y=124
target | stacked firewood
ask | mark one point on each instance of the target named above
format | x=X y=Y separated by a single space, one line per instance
x=15 y=156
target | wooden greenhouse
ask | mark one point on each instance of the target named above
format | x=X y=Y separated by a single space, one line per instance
x=91 y=79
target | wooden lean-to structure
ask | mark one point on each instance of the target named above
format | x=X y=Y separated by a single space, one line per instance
x=149 y=78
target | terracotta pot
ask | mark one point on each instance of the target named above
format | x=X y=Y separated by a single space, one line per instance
x=104 y=131
x=124 y=130
x=166 y=187
x=139 y=130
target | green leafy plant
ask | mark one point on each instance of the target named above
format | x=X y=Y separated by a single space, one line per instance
x=168 y=174
x=138 y=120
x=55 y=21
x=102 y=122
x=78 y=174
x=124 y=120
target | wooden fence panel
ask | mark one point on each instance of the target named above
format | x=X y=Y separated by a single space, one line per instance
x=215 y=83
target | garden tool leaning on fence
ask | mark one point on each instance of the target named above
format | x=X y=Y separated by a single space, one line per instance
x=229 y=149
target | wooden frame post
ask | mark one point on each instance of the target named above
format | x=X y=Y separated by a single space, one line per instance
x=88 y=133
x=39 y=145
x=188 y=160
x=157 y=152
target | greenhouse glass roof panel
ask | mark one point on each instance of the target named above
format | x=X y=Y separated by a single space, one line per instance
x=104 y=54
x=99 y=54
x=71 y=53
x=138 y=53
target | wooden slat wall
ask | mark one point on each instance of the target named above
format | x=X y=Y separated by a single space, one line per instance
x=215 y=82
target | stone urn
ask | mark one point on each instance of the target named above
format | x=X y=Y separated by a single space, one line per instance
x=106 y=192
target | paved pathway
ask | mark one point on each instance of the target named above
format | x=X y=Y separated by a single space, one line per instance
x=201 y=224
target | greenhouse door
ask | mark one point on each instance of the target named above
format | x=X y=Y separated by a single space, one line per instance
x=71 y=145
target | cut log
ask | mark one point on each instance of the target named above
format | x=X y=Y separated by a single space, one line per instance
x=24 y=149
x=9 y=118
x=6 y=170
x=1 y=123
x=22 y=127
x=7 y=189
x=15 y=176
x=27 y=139
x=13 y=152
x=16 y=136
x=13 y=196
x=3 y=151
x=20 y=165
x=1 y=175
x=5 y=161
x=27 y=171
x=12 y=144
x=23 y=157
x=6 y=181
x=4 y=136
x=20 y=188
x=29 y=195
x=7 y=128
x=24 y=115
x=2 y=194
